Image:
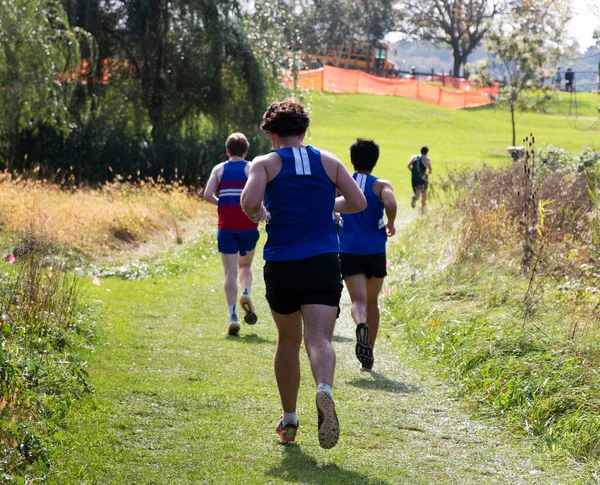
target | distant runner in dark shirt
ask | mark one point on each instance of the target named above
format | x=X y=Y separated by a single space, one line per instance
x=420 y=167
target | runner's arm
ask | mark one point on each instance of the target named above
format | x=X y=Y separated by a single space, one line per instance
x=390 y=207
x=352 y=199
x=211 y=186
x=410 y=164
x=254 y=191
x=427 y=163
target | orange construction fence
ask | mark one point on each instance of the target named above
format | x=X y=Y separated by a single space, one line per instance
x=465 y=94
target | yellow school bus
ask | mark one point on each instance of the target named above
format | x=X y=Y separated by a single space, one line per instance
x=352 y=54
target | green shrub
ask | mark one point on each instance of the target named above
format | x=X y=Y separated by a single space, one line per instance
x=554 y=158
x=44 y=327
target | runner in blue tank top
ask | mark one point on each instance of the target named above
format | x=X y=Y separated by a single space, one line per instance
x=298 y=185
x=363 y=237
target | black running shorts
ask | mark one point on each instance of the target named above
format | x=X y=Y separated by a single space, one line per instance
x=371 y=265
x=420 y=185
x=310 y=281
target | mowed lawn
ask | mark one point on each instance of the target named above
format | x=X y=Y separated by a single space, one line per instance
x=455 y=137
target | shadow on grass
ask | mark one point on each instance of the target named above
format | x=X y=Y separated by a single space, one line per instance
x=339 y=338
x=298 y=467
x=376 y=381
x=252 y=338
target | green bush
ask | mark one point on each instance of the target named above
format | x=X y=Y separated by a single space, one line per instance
x=554 y=159
x=45 y=326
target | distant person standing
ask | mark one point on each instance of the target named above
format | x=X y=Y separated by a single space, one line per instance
x=569 y=80
x=299 y=184
x=363 y=237
x=557 y=79
x=420 y=167
x=237 y=235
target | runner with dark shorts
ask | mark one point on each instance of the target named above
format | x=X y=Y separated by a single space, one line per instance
x=363 y=237
x=298 y=185
x=420 y=167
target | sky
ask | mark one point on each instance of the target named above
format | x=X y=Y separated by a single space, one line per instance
x=582 y=25
x=586 y=17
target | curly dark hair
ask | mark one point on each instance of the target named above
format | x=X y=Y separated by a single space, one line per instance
x=285 y=118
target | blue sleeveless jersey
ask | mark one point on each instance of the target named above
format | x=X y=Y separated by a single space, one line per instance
x=364 y=232
x=300 y=200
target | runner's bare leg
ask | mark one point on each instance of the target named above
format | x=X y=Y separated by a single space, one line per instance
x=287 y=358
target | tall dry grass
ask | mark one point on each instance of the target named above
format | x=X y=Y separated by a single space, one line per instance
x=98 y=220
x=521 y=341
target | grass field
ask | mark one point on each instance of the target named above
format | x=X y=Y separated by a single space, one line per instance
x=179 y=402
x=176 y=401
x=455 y=137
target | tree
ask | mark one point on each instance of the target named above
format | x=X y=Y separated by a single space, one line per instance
x=169 y=80
x=188 y=65
x=335 y=25
x=525 y=45
x=596 y=11
x=192 y=57
x=39 y=58
x=275 y=33
x=376 y=19
x=461 y=24
x=329 y=25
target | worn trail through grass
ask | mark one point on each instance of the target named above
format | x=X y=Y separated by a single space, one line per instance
x=179 y=402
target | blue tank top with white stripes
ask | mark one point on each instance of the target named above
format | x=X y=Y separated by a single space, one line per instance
x=364 y=232
x=300 y=200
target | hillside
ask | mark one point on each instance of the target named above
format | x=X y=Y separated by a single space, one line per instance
x=456 y=138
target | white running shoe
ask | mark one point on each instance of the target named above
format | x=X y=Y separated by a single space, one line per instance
x=329 y=426
x=234 y=325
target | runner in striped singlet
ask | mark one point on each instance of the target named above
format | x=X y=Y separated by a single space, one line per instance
x=237 y=235
x=298 y=185
x=363 y=237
